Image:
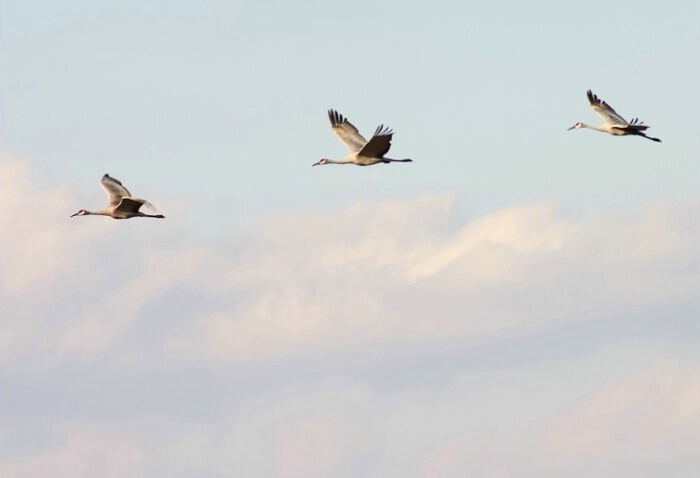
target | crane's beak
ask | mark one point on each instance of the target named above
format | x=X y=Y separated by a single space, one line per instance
x=316 y=164
x=74 y=214
x=571 y=128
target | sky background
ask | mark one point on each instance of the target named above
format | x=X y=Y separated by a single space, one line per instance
x=519 y=300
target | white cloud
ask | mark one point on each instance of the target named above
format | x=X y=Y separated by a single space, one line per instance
x=385 y=272
x=316 y=285
x=34 y=249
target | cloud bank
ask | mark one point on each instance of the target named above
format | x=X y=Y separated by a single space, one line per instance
x=347 y=316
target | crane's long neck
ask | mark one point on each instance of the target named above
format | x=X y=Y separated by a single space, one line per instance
x=103 y=212
x=347 y=160
x=596 y=128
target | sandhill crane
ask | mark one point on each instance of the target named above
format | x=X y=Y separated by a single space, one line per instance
x=121 y=204
x=361 y=151
x=614 y=123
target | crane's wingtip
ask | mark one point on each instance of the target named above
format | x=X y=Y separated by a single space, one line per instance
x=591 y=97
x=335 y=117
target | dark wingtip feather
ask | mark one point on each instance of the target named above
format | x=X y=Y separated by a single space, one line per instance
x=592 y=98
x=107 y=176
x=383 y=131
x=335 y=117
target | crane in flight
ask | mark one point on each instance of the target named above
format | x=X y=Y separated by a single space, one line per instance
x=121 y=204
x=360 y=151
x=614 y=123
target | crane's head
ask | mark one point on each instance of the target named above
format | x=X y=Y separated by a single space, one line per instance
x=322 y=161
x=82 y=212
x=576 y=126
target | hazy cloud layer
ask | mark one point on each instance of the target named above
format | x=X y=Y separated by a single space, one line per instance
x=529 y=420
x=394 y=338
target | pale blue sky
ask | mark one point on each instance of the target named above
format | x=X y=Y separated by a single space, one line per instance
x=225 y=102
x=518 y=301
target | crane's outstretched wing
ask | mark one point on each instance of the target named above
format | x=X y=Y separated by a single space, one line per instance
x=130 y=204
x=636 y=125
x=114 y=189
x=379 y=145
x=346 y=132
x=605 y=111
